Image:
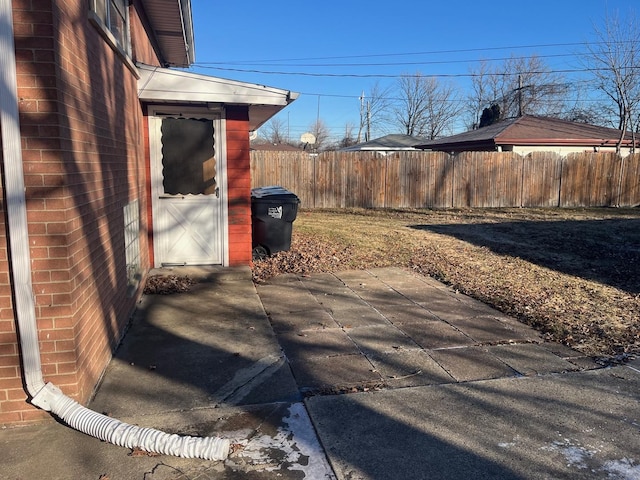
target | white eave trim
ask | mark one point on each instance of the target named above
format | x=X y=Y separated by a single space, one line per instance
x=164 y=85
x=158 y=85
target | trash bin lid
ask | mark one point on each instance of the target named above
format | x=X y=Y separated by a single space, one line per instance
x=274 y=193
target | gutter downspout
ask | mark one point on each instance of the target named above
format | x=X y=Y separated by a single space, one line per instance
x=47 y=396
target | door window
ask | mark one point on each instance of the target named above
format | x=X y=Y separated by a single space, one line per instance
x=188 y=156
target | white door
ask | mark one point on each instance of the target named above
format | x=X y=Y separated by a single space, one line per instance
x=186 y=157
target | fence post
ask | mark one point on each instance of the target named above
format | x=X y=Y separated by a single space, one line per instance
x=619 y=192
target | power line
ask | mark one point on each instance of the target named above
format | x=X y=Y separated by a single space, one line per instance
x=401 y=75
x=386 y=64
x=432 y=52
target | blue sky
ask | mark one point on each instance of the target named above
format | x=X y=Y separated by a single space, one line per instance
x=332 y=51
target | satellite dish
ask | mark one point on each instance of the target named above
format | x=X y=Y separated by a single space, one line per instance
x=253 y=135
x=309 y=138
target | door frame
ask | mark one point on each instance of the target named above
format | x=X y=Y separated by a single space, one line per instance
x=155 y=115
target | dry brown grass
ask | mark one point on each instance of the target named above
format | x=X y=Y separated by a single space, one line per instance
x=572 y=274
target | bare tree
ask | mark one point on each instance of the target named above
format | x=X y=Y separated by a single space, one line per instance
x=275 y=131
x=321 y=132
x=613 y=62
x=518 y=86
x=373 y=111
x=480 y=97
x=583 y=109
x=426 y=107
x=348 y=138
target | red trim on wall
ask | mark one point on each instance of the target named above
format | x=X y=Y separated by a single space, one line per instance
x=147 y=188
x=238 y=185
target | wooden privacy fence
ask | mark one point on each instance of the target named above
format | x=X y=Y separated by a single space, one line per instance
x=440 y=180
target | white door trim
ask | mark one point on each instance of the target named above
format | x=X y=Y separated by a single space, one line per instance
x=156 y=114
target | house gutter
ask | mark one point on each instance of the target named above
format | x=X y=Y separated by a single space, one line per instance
x=46 y=395
x=588 y=142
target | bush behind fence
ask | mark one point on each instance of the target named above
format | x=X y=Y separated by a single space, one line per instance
x=440 y=180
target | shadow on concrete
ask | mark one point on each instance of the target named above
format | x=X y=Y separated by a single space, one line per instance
x=539 y=427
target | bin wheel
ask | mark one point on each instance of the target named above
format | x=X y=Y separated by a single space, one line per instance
x=260 y=253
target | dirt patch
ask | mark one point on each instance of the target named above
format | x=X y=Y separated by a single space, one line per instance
x=571 y=274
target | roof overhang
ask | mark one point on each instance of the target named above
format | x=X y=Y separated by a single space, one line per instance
x=355 y=148
x=561 y=142
x=487 y=145
x=172 y=25
x=166 y=86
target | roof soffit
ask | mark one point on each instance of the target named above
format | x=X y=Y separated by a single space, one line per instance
x=172 y=25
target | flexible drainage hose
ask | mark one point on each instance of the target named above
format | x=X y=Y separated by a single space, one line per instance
x=129 y=436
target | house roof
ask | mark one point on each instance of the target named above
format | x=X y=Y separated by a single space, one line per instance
x=164 y=85
x=172 y=25
x=275 y=147
x=530 y=131
x=388 y=142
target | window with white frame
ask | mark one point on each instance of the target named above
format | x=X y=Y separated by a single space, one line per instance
x=132 y=245
x=112 y=19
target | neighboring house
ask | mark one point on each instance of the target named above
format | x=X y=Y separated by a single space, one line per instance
x=274 y=147
x=528 y=134
x=388 y=143
x=109 y=158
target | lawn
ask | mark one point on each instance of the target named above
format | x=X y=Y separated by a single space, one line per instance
x=570 y=273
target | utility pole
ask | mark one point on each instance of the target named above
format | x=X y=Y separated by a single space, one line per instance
x=519 y=95
x=361 y=98
x=368 y=120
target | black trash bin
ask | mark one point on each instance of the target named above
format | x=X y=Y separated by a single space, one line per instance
x=273 y=210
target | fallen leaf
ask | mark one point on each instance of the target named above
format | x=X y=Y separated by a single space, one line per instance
x=138 y=452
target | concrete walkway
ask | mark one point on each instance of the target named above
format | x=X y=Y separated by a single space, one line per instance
x=359 y=375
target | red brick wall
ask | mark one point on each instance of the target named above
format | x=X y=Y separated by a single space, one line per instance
x=239 y=185
x=83 y=155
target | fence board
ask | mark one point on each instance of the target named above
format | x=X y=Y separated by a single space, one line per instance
x=541 y=174
x=590 y=180
x=629 y=190
x=440 y=180
x=418 y=180
x=365 y=179
x=291 y=170
x=330 y=181
x=487 y=179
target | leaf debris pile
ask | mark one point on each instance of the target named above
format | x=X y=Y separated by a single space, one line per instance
x=168 y=284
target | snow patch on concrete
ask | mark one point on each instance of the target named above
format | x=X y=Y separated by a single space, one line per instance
x=578 y=456
x=295 y=446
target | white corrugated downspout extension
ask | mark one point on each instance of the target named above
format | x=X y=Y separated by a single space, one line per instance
x=48 y=396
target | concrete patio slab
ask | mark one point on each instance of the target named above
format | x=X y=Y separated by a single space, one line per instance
x=357 y=315
x=572 y=426
x=338 y=374
x=432 y=335
x=381 y=339
x=487 y=329
x=409 y=369
x=394 y=390
x=531 y=359
x=410 y=313
x=300 y=346
x=471 y=363
x=317 y=319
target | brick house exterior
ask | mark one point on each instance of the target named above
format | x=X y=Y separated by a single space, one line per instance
x=85 y=149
